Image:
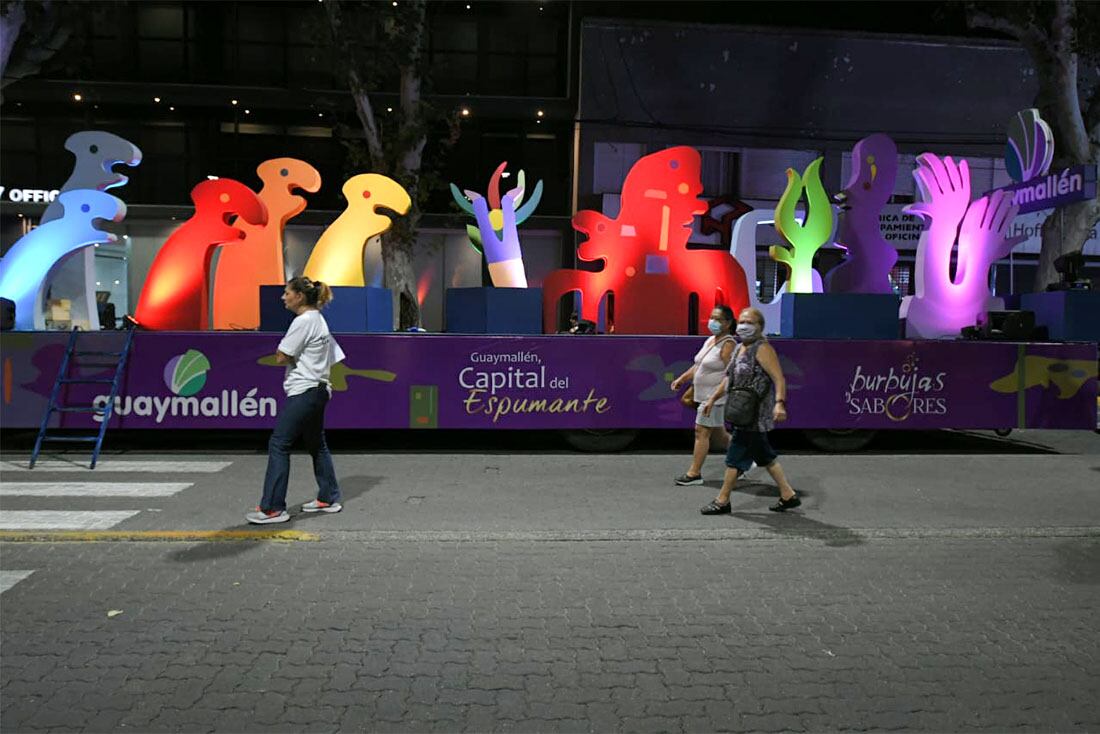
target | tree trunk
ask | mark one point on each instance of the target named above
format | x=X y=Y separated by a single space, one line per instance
x=1059 y=101
x=1064 y=231
x=398 y=248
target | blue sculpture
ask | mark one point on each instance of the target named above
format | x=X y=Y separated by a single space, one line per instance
x=24 y=269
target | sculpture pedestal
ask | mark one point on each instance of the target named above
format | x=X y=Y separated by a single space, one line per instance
x=1070 y=316
x=494 y=310
x=354 y=310
x=839 y=316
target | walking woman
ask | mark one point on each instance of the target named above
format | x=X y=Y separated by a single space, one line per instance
x=706 y=374
x=755 y=365
x=308 y=351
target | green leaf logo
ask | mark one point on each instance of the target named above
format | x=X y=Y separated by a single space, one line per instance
x=185 y=374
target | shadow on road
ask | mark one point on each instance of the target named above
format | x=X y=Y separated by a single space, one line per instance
x=351 y=489
x=793 y=524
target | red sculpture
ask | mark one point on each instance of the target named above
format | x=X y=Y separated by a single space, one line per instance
x=646 y=263
x=176 y=294
x=258 y=259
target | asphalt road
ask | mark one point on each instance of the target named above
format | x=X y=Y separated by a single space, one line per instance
x=945 y=584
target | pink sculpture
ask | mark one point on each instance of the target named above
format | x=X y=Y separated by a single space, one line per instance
x=943 y=305
x=870 y=257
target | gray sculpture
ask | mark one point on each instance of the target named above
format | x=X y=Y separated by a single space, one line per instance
x=97 y=152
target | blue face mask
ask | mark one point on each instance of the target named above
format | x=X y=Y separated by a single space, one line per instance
x=715 y=326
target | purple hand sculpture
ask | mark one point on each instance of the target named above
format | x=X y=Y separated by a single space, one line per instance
x=502 y=254
x=870 y=257
x=943 y=305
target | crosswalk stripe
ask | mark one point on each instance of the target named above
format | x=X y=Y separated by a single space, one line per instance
x=63 y=519
x=107 y=466
x=9 y=579
x=92 y=489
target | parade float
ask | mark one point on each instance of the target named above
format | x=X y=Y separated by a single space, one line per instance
x=857 y=356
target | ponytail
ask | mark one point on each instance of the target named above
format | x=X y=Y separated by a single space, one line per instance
x=317 y=293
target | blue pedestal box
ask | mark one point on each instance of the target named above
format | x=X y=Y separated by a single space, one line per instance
x=839 y=316
x=354 y=310
x=1070 y=316
x=494 y=310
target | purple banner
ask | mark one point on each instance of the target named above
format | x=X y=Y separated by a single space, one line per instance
x=1055 y=189
x=228 y=380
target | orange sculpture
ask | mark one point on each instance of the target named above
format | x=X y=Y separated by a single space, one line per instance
x=258 y=259
x=337 y=258
x=646 y=263
x=176 y=294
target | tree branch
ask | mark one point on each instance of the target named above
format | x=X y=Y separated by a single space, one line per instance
x=1029 y=34
x=11 y=23
x=411 y=103
x=412 y=156
x=341 y=37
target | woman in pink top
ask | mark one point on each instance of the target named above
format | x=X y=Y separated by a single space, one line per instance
x=706 y=374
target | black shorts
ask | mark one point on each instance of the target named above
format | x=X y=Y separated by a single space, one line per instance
x=747 y=447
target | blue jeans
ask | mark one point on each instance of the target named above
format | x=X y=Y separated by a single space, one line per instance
x=301 y=415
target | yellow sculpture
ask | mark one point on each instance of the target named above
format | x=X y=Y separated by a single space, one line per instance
x=337 y=258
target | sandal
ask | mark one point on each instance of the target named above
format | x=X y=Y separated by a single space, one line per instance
x=716 y=509
x=783 y=505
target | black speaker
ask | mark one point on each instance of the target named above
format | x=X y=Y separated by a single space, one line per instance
x=7 y=314
x=1009 y=325
x=107 y=317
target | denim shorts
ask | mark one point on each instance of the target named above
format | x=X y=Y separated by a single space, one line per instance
x=747 y=447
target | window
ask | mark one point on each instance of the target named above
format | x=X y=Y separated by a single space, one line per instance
x=718 y=171
x=763 y=171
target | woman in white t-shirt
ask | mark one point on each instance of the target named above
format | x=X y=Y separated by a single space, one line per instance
x=308 y=351
x=706 y=371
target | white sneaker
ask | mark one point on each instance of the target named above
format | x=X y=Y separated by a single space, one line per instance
x=752 y=474
x=319 y=506
x=259 y=517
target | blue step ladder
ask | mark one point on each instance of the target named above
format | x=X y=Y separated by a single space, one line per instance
x=63 y=378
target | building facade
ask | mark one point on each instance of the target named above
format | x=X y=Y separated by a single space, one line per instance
x=213 y=89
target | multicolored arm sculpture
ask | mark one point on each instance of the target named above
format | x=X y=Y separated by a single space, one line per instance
x=496 y=216
x=805 y=239
x=502 y=251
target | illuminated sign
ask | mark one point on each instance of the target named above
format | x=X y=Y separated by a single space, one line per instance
x=29 y=196
x=1028 y=154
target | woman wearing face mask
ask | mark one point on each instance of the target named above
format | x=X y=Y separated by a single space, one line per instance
x=755 y=364
x=706 y=374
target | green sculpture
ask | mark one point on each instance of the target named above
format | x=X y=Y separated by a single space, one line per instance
x=807 y=238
